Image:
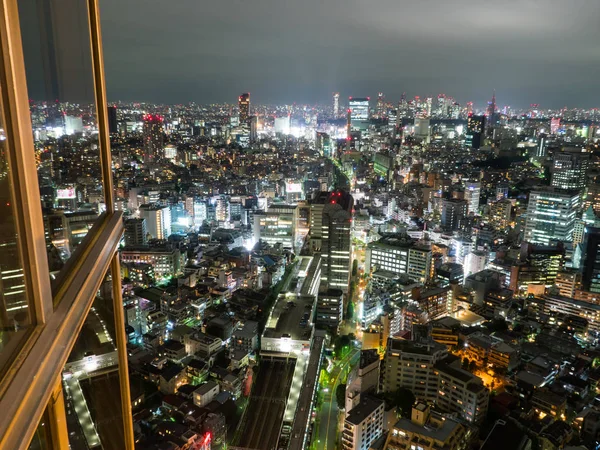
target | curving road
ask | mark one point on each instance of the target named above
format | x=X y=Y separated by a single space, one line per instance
x=327 y=416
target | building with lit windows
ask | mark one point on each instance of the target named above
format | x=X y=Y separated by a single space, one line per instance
x=570 y=169
x=136 y=232
x=454 y=212
x=277 y=225
x=153 y=137
x=364 y=424
x=165 y=260
x=330 y=308
x=158 y=220
x=358 y=113
x=475 y=131
x=422 y=368
x=551 y=216
x=400 y=254
x=244 y=107
x=472 y=195
x=591 y=263
x=427 y=430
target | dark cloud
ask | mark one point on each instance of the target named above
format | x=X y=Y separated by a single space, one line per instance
x=530 y=51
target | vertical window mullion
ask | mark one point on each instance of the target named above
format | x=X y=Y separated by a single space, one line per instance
x=21 y=156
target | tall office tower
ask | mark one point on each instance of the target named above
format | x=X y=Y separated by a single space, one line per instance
x=591 y=262
x=570 y=169
x=491 y=109
x=592 y=198
x=441 y=108
x=158 y=220
x=359 y=111
x=336 y=251
x=153 y=137
x=135 y=232
x=223 y=209
x=542 y=147
x=336 y=104
x=472 y=195
x=364 y=424
x=554 y=125
x=200 y=212
x=551 y=215
x=113 y=126
x=475 y=130
x=380 y=105
x=244 y=107
x=453 y=212
x=57 y=332
x=428 y=106
x=330 y=223
x=393 y=122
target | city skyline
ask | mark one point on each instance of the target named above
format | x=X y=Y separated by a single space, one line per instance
x=526 y=51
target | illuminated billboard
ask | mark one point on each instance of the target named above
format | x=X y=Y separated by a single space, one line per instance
x=293 y=187
x=65 y=193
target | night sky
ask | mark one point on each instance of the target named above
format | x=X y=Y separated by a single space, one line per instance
x=176 y=51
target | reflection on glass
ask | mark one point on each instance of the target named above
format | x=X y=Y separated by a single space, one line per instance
x=42 y=439
x=91 y=380
x=56 y=47
x=15 y=314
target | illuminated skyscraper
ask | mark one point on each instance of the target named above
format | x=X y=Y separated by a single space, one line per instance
x=475 y=129
x=359 y=112
x=380 y=105
x=551 y=216
x=244 y=107
x=570 y=169
x=153 y=137
x=336 y=104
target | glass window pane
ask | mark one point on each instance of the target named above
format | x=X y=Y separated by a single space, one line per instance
x=42 y=439
x=56 y=46
x=16 y=315
x=91 y=380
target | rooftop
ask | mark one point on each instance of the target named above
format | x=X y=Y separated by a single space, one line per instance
x=367 y=406
x=291 y=316
x=440 y=433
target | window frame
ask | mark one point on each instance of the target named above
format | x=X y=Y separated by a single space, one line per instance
x=33 y=379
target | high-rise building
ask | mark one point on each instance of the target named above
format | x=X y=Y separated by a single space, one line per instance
x=364 y=424
x=380 y=105
x=244 y=107
x=330 y=224
x=591 y=263
x=153 y=137
x=358 y=112
x=158 y=220
x=453 y=212
x=551 y=215
x=336 y=104
x=113 y=127
x=570 y=169
x=475 y=131
x=472 y=195
x=422 y=367
x=135 y=232
x=330 y=308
